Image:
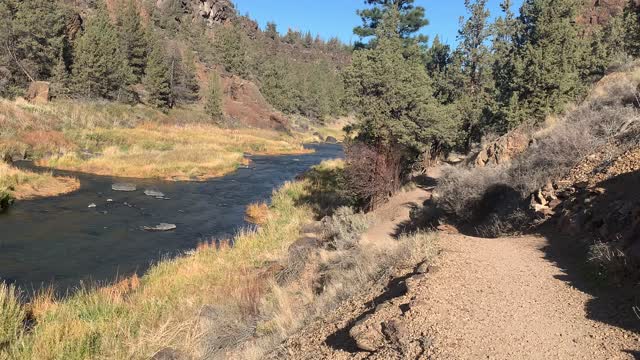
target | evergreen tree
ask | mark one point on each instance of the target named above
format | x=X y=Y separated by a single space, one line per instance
x=505 y=56
x=550 y=55
x=308 y=40
x=60 y=79
x=133 y=38
x=412 y=19
x=292 y=37
x=157 y=81
x=392 y=94
x=34 y=34
x=213 y=98
x=445 y=68
x=272 y=31
x=398 y=118
x=187 y=86
x=631 y=24
x=101 y=68
x=232 y=48
x=476 y=65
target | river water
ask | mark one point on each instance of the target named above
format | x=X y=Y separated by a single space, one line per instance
x=61 y=241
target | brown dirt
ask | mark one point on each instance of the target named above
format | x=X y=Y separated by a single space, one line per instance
x=483 y=298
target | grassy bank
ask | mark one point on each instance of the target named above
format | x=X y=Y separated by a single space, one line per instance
x=137 y=317
x=23 y=184
x=132 y=141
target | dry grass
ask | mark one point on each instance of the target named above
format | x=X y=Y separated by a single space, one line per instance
x=24 y=184
x=257 y=213
x=190 y=152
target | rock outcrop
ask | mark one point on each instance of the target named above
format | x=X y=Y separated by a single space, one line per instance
x=503 y=149
x=598 y=12
x=38 y=92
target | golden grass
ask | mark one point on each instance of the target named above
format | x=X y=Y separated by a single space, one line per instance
x=257 y=213
x=136 y=318
x=190 y=152
x=28 y=185
x=133 y=141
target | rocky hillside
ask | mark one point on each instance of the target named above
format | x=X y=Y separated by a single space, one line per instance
x=578 y=172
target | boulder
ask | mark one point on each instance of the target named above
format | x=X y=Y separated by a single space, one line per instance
x=169 y=354
x=503 y=149
x=367 y=334
x=126 y=187
x=161 y=227
x=38 y=92
x=331 y=140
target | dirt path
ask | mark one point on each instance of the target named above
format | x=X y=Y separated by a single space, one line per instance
x=483 y=298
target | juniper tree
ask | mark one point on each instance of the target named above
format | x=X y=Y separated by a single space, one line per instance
x=32 y=35
x=631 y=23
x=272 y=31
x=213 y=97
x=157 y=81
x=134 y=42
x=550 y=55
x=232 y=49
x=391 y=95
x=101 y=68
x=60 y=78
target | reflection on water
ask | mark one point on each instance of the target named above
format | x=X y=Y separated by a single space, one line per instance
x=63 y=241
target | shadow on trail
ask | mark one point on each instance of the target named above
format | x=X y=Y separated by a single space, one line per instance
x=616 y=211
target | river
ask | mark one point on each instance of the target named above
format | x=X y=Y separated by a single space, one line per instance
x=61 y=241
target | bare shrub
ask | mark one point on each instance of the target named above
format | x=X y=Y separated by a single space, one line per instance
x=608 y=258
x=371 y=174
x=343 y=229
x=460 y=189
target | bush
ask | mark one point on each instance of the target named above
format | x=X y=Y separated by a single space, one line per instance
x=371 y=174
x=6 y=199
x=608 y=258
x=342 y=230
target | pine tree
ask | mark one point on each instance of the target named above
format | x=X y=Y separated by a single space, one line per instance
x=232 y=47
x=133 y=38
x=60 y=79
x=631 y=24
x=550 y=55
x=157 y=81
x=100 y=66
x=188 y=79
x=213 y=98
x=505 y=56
x=476 y=65
x=412 y=19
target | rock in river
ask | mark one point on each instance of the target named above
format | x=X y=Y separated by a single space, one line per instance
x=123 y=187
x=154 y=193
x=161 y=227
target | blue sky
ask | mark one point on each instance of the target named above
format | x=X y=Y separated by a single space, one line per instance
x=338 y=17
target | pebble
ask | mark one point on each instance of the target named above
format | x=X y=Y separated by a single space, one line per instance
x=91 y=206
